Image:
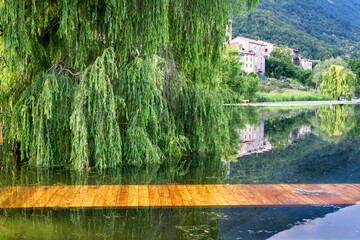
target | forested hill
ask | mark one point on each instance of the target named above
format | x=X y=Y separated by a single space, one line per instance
x=349 y=9
x=304 y=25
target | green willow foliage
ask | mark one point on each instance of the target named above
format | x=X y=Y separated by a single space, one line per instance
x=338 y=82
x=111 y=83
x=337 y=121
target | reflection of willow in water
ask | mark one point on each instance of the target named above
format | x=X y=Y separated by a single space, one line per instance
x=337 y=121
x=198 y=169
x=149 y=223
x=313 y=155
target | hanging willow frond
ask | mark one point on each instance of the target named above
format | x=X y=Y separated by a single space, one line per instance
x=40 y=120
x=93 y=122
x=139 y=82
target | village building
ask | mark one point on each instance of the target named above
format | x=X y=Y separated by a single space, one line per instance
x=298 y=133
x=296 y=60
x=248 y=60
x=306 y=64
x=253 y=141
x=252 y=55
x=269 y=47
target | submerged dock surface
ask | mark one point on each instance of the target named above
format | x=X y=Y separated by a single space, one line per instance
x=125 y=196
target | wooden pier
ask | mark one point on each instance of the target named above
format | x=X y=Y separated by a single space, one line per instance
x=127 y=196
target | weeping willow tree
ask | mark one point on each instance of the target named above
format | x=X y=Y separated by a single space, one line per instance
x=112 y=83
x=337 y=121
x=338 y=82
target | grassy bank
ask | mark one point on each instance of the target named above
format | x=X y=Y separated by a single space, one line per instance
x=291 y=96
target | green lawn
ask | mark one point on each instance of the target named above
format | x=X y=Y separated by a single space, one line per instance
x=291 y=96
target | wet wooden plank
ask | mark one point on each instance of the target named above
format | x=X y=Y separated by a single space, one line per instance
x=303 y=199
x=90 y=196
x=13 y=198
x=230 y=196
x=219 y=198
x=154 y=197
x=55 y=199
x=206 y=195
x=81 y=197
x=71 y=196
x=316 y=194
x=165 y=197
x=41 y=197
x=100 y=196
x=5 y=193
x=185 y=195
x=286 y=196
x=133 y=196
x=196 y=198
x=244 y=195
x=335 y=195
x=112 y=195
x=178 y=195
x=21 y=197
x=175 y=195
x=143 y=196
x=123 y=196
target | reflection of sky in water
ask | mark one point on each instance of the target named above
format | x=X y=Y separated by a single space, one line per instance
x=343 y=224
x=315 y=222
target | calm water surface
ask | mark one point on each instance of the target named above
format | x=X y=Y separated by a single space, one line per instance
x=271 y=145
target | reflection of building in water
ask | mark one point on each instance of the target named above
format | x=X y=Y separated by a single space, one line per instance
x=253 y=140
x=299 y=132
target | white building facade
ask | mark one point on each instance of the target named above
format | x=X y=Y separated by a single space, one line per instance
x=253 y=50
x=306 y=64
x=253 y=140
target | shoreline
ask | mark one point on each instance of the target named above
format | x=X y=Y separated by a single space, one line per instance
x=297 y=103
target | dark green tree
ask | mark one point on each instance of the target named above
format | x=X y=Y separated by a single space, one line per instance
x=354 y=65
x=282 y=53
x=231 y=72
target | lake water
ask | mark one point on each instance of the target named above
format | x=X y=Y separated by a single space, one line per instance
x=271 y=146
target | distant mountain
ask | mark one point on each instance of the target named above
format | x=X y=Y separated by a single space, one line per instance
x=349 y=9
x=304 y=25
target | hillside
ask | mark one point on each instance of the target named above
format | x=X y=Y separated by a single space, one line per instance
x=349 y=9
x=303 y=25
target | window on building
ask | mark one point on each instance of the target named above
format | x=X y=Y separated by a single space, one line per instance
x=250 y=59
x=251 y=65
x=246 y=65
x=247 y=59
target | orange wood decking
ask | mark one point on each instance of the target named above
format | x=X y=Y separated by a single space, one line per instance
x=123 y=196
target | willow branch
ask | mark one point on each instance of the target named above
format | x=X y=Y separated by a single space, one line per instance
x=69 y=71
x=56 y=65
